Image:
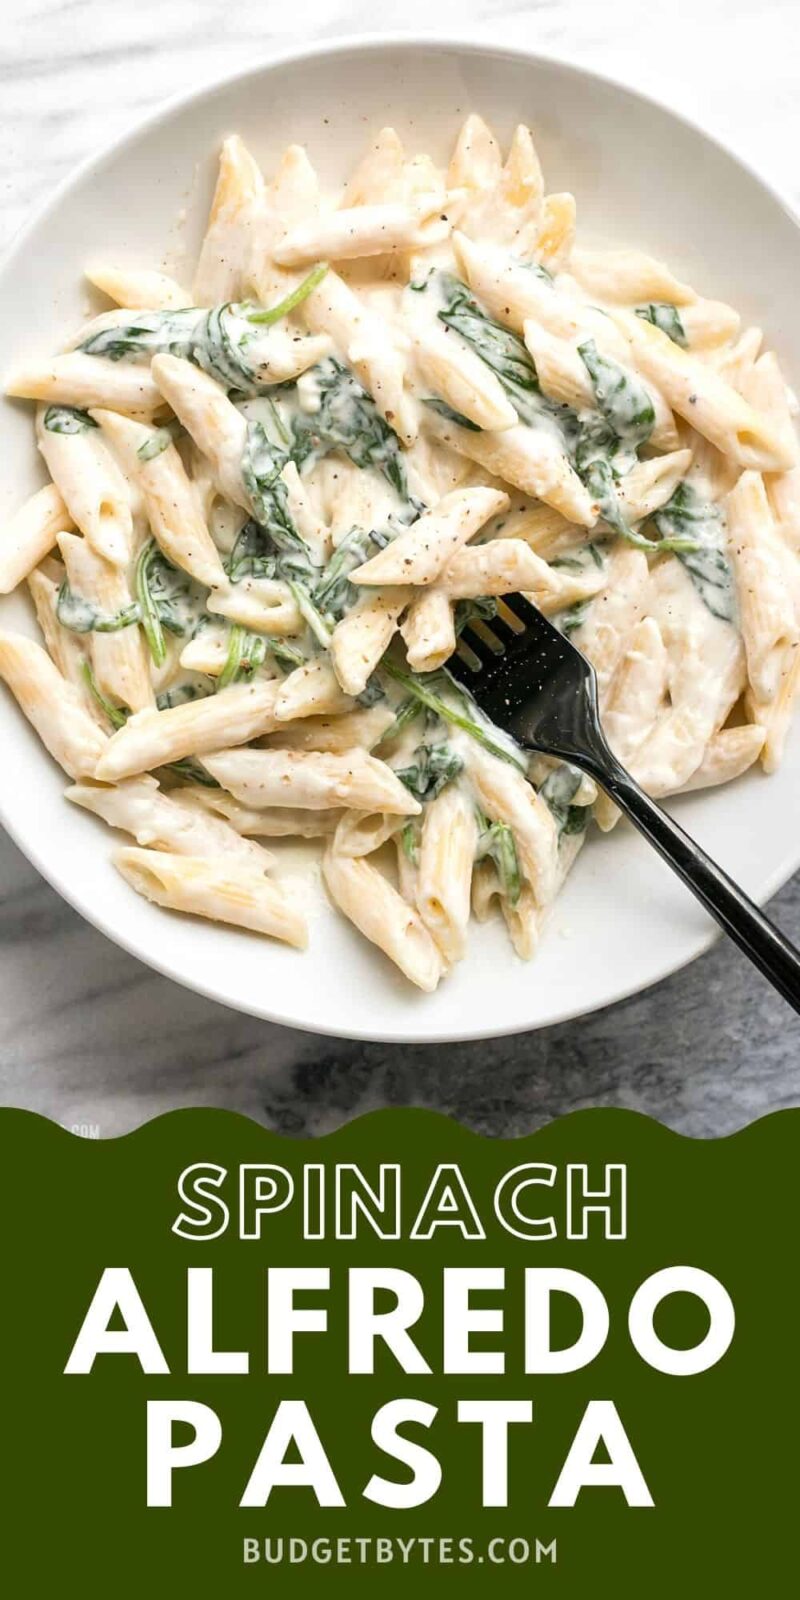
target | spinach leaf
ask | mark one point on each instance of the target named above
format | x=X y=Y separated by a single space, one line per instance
x=432 y=767
x=309 y=610
x=165 y=600
x=181 y=693
x=262 y=464
x=68 y=419
x=580 y=561
x=421 y=686
x=496 y=841
x=407 y=712
x=151 y=621
x=693 y=529
x=193 y=772
x=600 y=465
x=151 y=333
x=347 y=419
x=117 y=715
x=502 y=349
x=450 y=414
x=410 y=842
x=666 y=317
x=334 y=593
x=538 y=270
x=286 y=656
x=557 y=792
x=291 y=301
x=80 y=616
x=248 y=651
x=155 y=445
x=372 y=693
x=622 y=399
x=223 y=340
x=593 y=440
x=253 y=554
x=595 y=448
x=571 y=619
x=480 y=610
x=220 y=347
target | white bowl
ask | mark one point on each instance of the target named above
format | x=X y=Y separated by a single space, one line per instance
x=642 y=176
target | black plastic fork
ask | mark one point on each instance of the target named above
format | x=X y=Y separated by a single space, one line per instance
x=536 y=685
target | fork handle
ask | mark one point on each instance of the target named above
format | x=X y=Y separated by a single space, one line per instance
x=768 y=949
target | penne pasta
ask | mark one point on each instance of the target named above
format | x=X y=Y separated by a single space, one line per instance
x=361 y=833
x=557 y=232
x=172 y=508
x=263 y=605
x=499 y=567
x=502 y=201
x=311 y=690
x=89 y=481
x=30 y=535
x=222 y=891
x=64 y=648
x=139 y=289
x=86 y=381
x=119 y=657
x=563 y=375
x=311 y=780
x=446 y=856
x=650 y=484
x=628 y=277
x=333 y=309
x=639 y=691
x=459 y=377
x=476 y=162
x=775 y=717
x=223 y=267
x=767 y=603
x=613 y=615
x=708 y=324
x=363 y=727
x=705 y=678
x=634 y=704
x=514 y=294
x=711 y=405
x=428 y=630
x=422 y=552
x=766 y=390
x=362 y=637
x=529 y=458
x=54 y=707
x=727 y=755
x=505 y=796
x=155 y=738
x=365 y=230
x=274 y=822
x=380 y=913
x=161 y=822
x=217 y=428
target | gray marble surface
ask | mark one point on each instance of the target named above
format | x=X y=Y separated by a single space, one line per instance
x=93 y=1039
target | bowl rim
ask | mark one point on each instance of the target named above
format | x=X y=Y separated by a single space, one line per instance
x=366 y=43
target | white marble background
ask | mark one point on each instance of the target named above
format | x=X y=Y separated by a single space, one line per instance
x=90 y=1037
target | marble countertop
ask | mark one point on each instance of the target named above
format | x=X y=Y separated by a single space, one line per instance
x=93 y=1039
